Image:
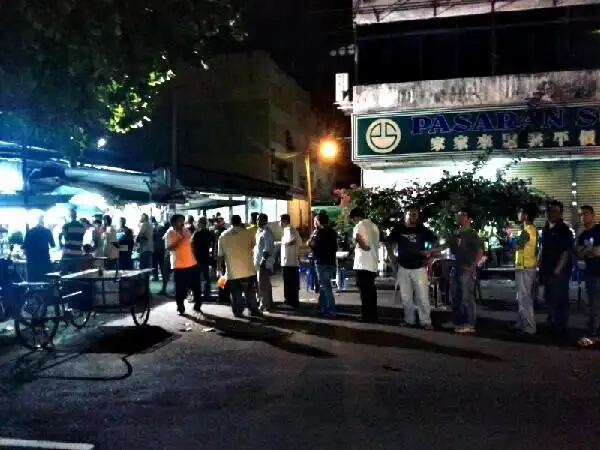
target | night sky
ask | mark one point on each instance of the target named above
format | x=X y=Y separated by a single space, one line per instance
x=299 y=35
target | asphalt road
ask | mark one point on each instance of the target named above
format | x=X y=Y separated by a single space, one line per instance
x=296 y=382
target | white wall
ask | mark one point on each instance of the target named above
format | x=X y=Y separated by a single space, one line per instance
x=405 y=176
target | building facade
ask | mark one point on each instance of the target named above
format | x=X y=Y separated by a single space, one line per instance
x=248 y=122
x=437 y=86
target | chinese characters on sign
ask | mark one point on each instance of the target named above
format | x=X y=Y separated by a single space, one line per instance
x=510 y=141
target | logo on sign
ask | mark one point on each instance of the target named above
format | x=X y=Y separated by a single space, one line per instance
x=383 y=136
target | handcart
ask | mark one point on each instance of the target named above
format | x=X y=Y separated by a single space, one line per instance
x=74 y=297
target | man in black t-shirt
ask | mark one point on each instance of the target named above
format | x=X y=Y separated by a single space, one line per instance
x=556 y=263
x=323 y=243
x=37 y=244
x=203 y=243
x=588 y=248
x=414 y=242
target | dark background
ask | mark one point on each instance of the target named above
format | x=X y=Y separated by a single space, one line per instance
x=299 y=35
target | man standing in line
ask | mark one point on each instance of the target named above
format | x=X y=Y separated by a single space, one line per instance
x=110 y=244
x=556 y=261
x=264 y=262
x=185 y=267
x=72 y=243
x=235 y=253
x=526 y=273
x=366 y=261
x=163 y=258
x=145 y=241
x=37 y=244
x=253 y=221
x=414 y=242
x=203 y=242
x=290 y=252
x=323 y=243
x=190 y=224
x=126 y=243
x=588 y=248
x=467 y=248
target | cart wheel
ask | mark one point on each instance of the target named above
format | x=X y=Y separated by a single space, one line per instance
x=141 y=313
x=37 y=323
x=79 y=318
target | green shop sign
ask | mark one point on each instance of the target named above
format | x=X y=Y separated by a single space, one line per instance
x=456 y=131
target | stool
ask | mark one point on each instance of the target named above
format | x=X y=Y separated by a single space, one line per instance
x=341 y=278
x=311 y=275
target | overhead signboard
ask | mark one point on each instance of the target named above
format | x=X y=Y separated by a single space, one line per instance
x=401 y=135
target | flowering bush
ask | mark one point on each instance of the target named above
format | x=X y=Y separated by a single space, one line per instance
x=491 y=202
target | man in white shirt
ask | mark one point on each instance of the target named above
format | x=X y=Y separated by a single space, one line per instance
x=366 y=260
x=264 y=262
x=110 y=244
x=235 y=251
x=290 y=250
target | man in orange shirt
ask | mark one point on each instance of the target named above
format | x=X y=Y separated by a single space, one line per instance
x=183 y=263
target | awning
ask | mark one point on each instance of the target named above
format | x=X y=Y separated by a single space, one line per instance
x=118 y=186
x=212 y=203
x=196 y=179
x=33 y=201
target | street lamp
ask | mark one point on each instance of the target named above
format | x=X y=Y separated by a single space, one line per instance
x=101 y=142
x=328 y=149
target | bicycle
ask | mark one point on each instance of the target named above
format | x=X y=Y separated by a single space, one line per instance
x=45 y=305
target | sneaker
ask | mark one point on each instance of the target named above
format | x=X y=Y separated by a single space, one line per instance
x=464 y=329
x=198 y=308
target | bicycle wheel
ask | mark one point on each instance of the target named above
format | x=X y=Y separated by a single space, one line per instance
x=37 y=322
x=141 y=312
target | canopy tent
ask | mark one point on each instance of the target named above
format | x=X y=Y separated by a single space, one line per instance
x=197 y=179
x=208 y=202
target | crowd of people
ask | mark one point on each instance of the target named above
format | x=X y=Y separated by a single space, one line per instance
x=244 y=258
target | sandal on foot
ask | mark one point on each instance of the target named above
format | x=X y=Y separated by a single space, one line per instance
x=587 y=341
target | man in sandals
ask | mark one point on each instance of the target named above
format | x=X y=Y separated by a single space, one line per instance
x=588 y=248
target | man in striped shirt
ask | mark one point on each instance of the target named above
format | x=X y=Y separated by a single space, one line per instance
x=71 y=243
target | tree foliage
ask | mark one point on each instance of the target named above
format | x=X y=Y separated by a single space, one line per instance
x=492 y=203
x=71 y=68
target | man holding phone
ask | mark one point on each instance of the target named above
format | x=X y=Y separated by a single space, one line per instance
x=183 y=263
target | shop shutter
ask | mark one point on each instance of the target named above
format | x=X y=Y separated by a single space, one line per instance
x=554 y=178
x=587 y=177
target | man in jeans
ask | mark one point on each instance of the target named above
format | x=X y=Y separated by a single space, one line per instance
x=468 y=251
x=414 y=242
x=588 y=248
x=556 y=261
x=145 y=240
x=235 y=253
x=203 y=242
x=366 y=260
x=526 y=273
x=323 y=243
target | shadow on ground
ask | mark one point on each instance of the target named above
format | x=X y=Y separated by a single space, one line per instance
x=117 y=343
x=369 y=336
x=257 y=331
x=487 y=327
